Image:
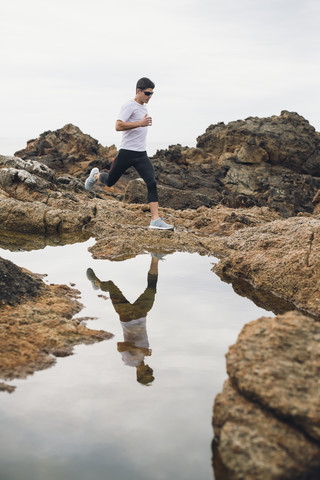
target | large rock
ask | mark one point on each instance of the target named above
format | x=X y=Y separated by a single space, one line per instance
x=267 y=419
x=136 y=192
x=271 y=162
x=254 y=162
x=287 y=140
x=16 y=283
x=39 y=329
x=252 y=444
x=281 y=257
x=276 y=362
x=34 y=200
x=67 y=150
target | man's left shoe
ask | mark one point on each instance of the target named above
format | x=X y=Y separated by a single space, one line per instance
x=90 y=181
x=93 y=279
x=159 y=224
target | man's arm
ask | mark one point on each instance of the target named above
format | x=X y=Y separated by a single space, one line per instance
x=146 y=121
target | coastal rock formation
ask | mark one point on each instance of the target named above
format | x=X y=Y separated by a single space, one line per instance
x=136 y=192
x=282 y=257
x=67 y=150
x=273 y=161
x=228 y=197
x=267 y=419
x=34 y=200
x=16 y=283
x=36 y=323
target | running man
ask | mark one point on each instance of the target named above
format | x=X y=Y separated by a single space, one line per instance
x=133 y=121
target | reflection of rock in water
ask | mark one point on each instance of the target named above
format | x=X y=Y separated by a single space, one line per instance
x=17 y=242
x=40 y=327
x=261 y=298
x=267 y=419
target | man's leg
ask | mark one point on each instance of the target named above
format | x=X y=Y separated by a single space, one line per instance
x=119 y=165
x=145 y=169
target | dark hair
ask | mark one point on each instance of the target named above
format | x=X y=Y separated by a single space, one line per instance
x=144 y=83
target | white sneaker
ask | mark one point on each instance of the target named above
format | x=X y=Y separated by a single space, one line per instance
x=90 y=181
x=159 y=224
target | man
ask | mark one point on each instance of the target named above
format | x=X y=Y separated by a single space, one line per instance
x=133 y=121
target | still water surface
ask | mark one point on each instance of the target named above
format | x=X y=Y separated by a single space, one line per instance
x=94 y=415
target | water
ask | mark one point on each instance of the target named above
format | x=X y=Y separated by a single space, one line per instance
x=88 y=416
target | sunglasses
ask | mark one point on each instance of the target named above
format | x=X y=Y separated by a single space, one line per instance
x=148 y=93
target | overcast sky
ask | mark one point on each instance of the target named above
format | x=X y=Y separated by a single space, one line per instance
x=77 y=61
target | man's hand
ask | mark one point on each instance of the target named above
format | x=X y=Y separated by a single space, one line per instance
x=146 y=121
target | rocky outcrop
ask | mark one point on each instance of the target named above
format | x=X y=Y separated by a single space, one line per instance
x=16 y=283
x=34 y=200
x=36 y=323
x=282 y=257
x=67 y=150
x=267 y=419
x=272 y=161
x=136 y=192
x=227 y=198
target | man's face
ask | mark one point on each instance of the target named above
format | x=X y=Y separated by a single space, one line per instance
x=143 y=96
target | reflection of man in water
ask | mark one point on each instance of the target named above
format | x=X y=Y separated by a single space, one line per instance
x=135 y=345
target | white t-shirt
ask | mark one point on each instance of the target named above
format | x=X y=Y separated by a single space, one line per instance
x=134 y=139
x=135 y=333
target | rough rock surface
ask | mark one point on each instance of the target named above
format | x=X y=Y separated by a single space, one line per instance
x=281 y=257
x=67 y=149
x=15 y=283
x=33 y=200
x=276 y=363
x=253 y=444
x=267 y=419
x=38 y=328
x=273 y=161
x=246 y=176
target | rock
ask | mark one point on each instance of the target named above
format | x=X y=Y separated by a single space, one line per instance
x=136 y=192
x=38 y=328
x=316 y=203
x=287 y=140
x=253 y=444
x=275 y=362
x=281 y=257
x=270 y=161
x=16 y=283
x=35 y=201
x=67 y=150
x=267 y=419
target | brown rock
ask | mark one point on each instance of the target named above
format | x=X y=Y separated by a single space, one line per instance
x=316 y=203
x=67 y=149
x=136 y=192
x=276 y=362
x=270 y=161
x=16 y=283
x=253 y=444
x=33 y=332
x=281 y=257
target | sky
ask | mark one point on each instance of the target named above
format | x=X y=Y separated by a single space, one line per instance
x=78 y=61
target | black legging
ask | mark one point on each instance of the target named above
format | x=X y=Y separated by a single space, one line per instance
x=132 y=311
x=141 y=162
